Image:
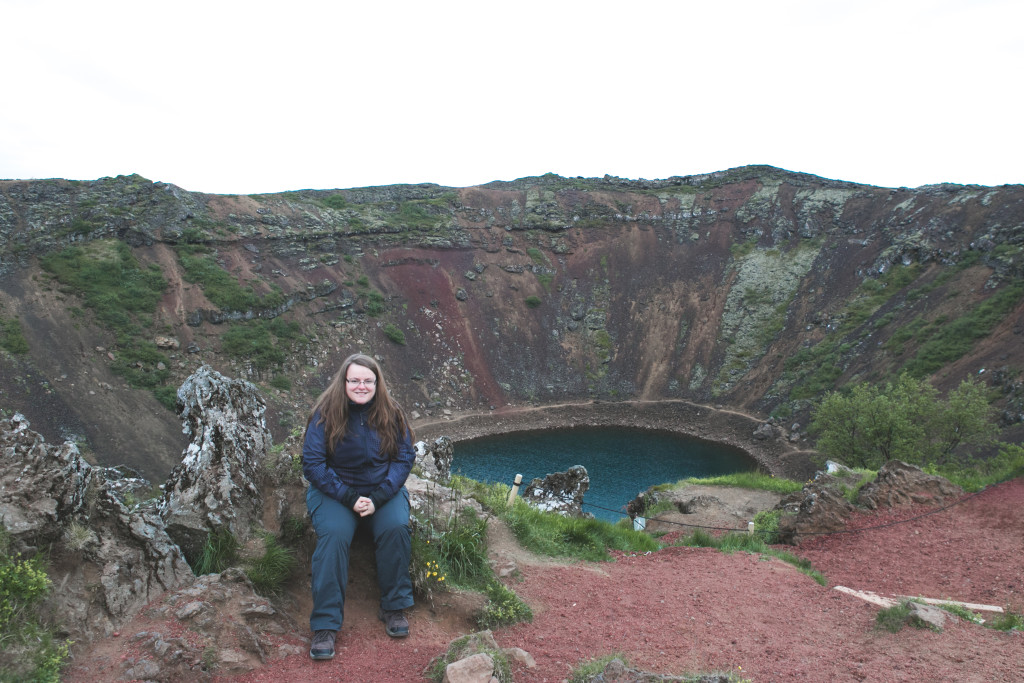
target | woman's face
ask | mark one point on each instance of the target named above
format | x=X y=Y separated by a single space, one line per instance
x=360 y=384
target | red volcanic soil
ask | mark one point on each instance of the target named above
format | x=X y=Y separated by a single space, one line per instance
x=692 y=610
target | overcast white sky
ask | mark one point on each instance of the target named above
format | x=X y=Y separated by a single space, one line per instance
x=248 y=97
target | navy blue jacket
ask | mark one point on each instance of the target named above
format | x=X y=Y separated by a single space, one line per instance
x=356 y=467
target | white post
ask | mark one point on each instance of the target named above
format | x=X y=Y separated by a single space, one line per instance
x=515 y=488
x=750 y=527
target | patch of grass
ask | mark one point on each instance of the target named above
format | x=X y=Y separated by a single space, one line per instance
x=552 y=534
x=533 y=301
x=374 y=306
x=260 y=342
x=270 y=571
x=11 y=337
x=123 y=296
x=1007 y=621
x=893 y=619
x=954 y=339
x=962 y=612
x=750 y=543
x=466 y=646
x=334 y=201
x=219 y=552
x=588 y=670
x=746 y=480
x=221 y=287
x=978 y=473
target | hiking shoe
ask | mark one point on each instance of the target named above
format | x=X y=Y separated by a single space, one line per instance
x=395 y=623
x=323 y=645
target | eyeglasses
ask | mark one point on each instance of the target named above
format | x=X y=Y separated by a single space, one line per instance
x=364 y=382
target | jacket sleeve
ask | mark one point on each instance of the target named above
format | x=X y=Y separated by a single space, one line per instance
x=316 y=469
x=398 y=472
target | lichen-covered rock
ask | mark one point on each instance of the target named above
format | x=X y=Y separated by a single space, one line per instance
x=108 y=560
x=899 y=484
x=435 y=458
x=216 y=485
x=561 y=492
x=42 y=487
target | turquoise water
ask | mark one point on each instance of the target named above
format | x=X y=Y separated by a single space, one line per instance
x=621 y=462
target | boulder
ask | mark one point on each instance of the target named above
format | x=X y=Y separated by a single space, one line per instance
x=215 y=487
x=561 y=492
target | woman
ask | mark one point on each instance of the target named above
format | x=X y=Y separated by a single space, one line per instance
x=356 y=455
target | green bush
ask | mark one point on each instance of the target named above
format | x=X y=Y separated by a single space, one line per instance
x=533 y=301
x=766 y=525
x=870 y=425
x=28 y=649
x=281 y=382
x=503 y=608
x=335 y=201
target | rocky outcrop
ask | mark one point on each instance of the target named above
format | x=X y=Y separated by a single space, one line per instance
x=899 y=484
x=216 y=485
x=435 y=459
x=108 y=558
x=819 y=507
x=561 y=492
x=236 y=629
x=822 y=506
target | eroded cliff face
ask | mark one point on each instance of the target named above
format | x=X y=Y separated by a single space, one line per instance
x=755 y=288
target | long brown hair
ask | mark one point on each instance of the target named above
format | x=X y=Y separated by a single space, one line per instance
x=385 y=415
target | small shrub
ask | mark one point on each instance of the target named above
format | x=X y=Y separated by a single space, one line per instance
x=29 y=650
x=394 y=333
x=281 y=382
x=533 y=301
x=335 y=201
x=1007 y=621
x=503 y=608
x=77 y=536
x=11 y=336
x=766 y=525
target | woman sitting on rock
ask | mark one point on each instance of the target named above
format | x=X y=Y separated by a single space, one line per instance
x=356 y=455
